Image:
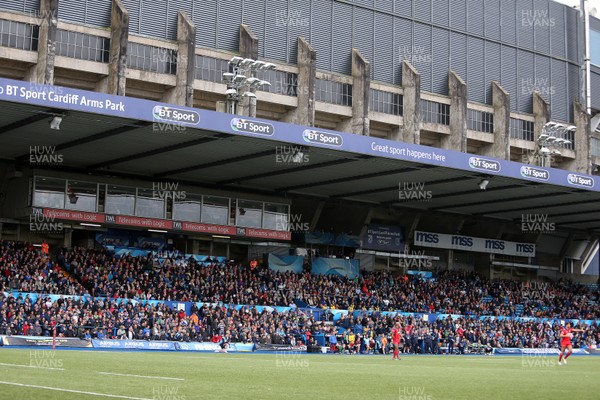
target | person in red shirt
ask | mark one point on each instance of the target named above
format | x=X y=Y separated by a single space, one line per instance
x=396 y=334
x=566 y=334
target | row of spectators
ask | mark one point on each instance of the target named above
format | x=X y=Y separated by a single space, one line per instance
x=368 y=332
x=100 y=273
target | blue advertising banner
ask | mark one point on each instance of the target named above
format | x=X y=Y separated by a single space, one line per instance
x=336 y=266
x=147 y=110
x=286 y=263
x=319 y=237
x=384 y=238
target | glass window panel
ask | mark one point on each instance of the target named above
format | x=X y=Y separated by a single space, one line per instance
x=148 y=205
x=188 y=209
x=249 y=213
x=276 y=217
x=215 y=210
x=49 y=192
x=82 y=196
x=120 y=200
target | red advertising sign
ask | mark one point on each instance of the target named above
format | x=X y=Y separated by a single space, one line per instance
x=268 y=234
x=208 y=228
x=143 y=222
x=74 y=215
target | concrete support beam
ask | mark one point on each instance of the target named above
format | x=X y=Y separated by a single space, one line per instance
x=410 y=132
x=582 y=141
x=457 y=140
x=317 y=215
x=501 y=102
x=183 y=92
x=248 y=48
x=541 y=114
x=119 y=38
x=361 y=85
x=304 y=114
x=43 y=71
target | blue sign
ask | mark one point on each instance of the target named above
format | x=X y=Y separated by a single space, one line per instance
x=152 y=111
x=383 y=237
x=293 y=264
x=336 y=266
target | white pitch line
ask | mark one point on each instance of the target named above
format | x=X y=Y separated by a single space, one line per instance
x=30 y=366
x=116 y=396
x=142 y=376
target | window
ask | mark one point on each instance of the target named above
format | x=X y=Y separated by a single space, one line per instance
x=334 y=92
x=435 y=113
x=596 y=147
x=275 y=217
x=82 y=46
x=82 y=196
x=211 y=69
x=150 y=58
x=188 y=209
x=386 y=102
x=480 y=121
x=249 y=213
x=215 y=210
x=282 y=82
x=49 y=192
x=595 y=47
x=120 y=200
x=149 y=204
x=521 y=129
x=18 y=35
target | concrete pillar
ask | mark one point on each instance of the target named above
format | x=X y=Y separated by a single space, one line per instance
x=43 y=71
x=248 y=48
x=411 y=105
x=582 y=140
x=119 y=37
x=183 y=92
x=457 y=140
x=361 y=84
x=304 y=114
x=541 y=114
x=501 y=102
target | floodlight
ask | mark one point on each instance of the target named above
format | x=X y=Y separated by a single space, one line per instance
x=251 y=81
x=55 y=123
x=230 y=92
x=264 y=83
x=269 y=66
x=544 y=136
x=545 y=150
x=249 y=94
x=228 y=76
x=246 y=61
x=239 y=78
x=258 y=64
x=483 y=184
x=556 y=152
x=235 y=60
x=571 y=128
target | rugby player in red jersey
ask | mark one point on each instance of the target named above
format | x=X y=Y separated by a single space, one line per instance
x=396 y=334
x=566 y=334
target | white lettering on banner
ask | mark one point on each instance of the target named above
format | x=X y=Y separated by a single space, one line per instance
x=406 y=152
x=479 y=245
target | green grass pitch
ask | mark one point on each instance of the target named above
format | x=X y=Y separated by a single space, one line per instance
x=66 y=375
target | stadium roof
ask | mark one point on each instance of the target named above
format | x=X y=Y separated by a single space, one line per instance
x=197 y=154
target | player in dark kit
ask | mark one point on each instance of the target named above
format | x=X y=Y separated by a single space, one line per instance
x=566 y=334
x=396 y=334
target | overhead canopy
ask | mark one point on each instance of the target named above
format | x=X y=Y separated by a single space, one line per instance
x=215 y=150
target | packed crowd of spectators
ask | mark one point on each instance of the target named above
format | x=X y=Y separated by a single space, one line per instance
x=364 y=333
x=101 y=274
